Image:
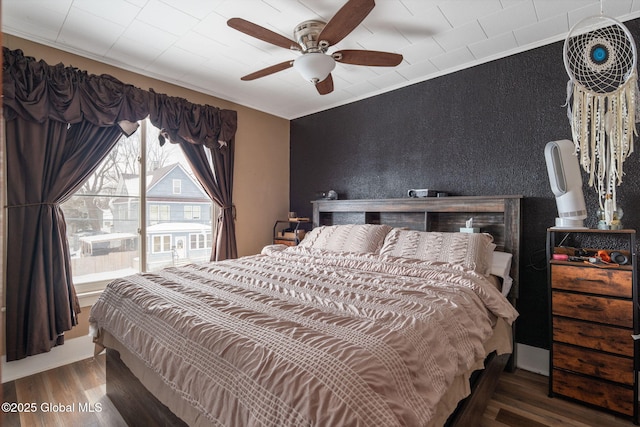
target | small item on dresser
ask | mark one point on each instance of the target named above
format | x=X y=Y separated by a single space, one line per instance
x=604 y=256
x=422 y=192
x=619 y=258
x=469 y=228
x=329 y=195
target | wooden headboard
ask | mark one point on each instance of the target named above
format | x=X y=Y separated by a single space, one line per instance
x=496 y=215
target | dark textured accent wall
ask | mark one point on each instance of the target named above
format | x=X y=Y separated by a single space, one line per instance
x=480 y=131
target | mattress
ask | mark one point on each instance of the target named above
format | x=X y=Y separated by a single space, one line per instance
x=306 y=336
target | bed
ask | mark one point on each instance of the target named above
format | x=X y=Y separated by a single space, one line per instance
x=379 y=317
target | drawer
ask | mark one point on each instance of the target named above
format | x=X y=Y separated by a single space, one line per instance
x=603 y=281
x=596 y=392
x=599 y=337
x=596 y=309
x=606 y=366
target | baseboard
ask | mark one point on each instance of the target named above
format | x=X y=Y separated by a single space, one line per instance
x=533 y=359
x=72 y=351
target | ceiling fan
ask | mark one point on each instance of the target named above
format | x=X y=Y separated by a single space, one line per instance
x=313 y=39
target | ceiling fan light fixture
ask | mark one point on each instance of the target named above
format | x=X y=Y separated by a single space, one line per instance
x=314 y=66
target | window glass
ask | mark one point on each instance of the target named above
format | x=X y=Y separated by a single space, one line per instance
x=161 y=243
x=200 y=241
x=177 y=186
x=192 y=212
x=177 y=206
x=102 y=217
x=104 y=230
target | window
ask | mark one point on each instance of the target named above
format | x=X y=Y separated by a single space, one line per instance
x=200 y=241
x=196 y=241
x=169 y=180
x=159 y=213
x=106 y=236
x=161 y=244
x=102 y=218
x=177 y=186
x=191 y=212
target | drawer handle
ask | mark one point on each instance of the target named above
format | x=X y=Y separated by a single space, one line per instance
x=583 y=279
x=591 y=307
x=592 y=363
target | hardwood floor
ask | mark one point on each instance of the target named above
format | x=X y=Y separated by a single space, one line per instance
x=520 y=400
x=81 y=385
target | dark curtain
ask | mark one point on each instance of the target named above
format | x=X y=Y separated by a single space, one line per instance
x=46 y=163
x=219 y=187
x=60 y=123
x=209 y=131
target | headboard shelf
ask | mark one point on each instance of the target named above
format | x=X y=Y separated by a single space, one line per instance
x=498 y=215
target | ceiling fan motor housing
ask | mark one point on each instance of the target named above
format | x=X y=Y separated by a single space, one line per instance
x=306 y=35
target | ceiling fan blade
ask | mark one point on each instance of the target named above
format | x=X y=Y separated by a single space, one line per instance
x=326 y=86
x=269 y=70
x=262 y=33
x=371 y=58
x=346 y=20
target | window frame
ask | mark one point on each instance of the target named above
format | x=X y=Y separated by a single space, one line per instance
x=200 y=240
x=160 y=214
x=162 y=243
x=192 y=212
x=176 y=185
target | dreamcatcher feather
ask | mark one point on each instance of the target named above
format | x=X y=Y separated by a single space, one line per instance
x=600 y=58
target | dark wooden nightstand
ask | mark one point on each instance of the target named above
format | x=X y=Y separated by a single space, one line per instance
x=288 y=232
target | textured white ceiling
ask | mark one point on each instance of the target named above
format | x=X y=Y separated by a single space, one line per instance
x=187 y=42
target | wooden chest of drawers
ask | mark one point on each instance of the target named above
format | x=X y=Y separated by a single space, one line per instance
x=593 y=317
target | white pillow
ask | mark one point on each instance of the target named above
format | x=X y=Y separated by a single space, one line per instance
x=471 y=250
x=362 y=238
x=501 y=267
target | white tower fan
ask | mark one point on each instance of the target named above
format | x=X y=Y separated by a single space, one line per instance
x=566 y=183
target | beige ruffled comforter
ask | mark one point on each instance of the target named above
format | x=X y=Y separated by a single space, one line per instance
x=303 y=336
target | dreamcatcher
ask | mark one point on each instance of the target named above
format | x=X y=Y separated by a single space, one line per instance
x=600 y=58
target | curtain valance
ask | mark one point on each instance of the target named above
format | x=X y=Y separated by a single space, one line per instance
x=37 y=91
x=196 y=124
